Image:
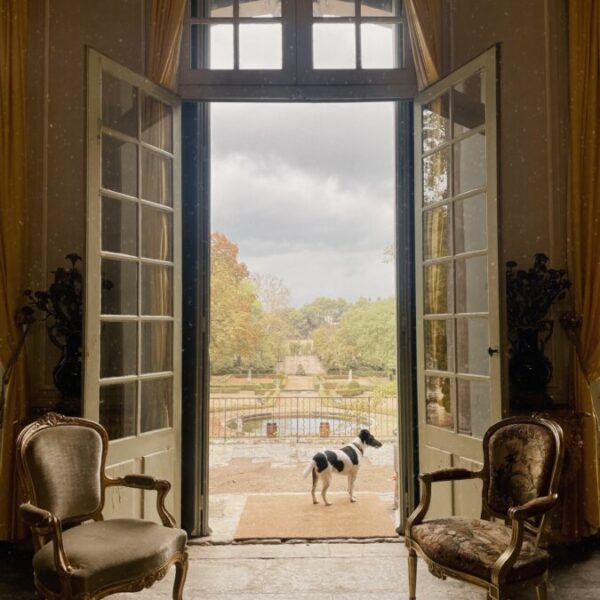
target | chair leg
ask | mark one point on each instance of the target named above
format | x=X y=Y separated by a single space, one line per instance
x=181 y=569
x=412 y=574
x=542 y=591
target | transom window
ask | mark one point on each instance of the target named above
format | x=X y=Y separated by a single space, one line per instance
x=295 y=43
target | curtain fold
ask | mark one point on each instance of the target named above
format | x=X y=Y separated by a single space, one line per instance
x=13 y=241
x=166 y=27
x=425 y=31
x=584 y=234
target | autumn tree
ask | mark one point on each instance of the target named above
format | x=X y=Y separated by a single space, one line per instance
x=235 y=329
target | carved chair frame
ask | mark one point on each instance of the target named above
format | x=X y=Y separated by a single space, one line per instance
x=517 y=517
x=46 y=527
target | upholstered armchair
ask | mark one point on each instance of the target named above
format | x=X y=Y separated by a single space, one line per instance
x=500 y=551
x=78 y=555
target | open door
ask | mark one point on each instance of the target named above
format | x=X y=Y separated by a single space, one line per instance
x=133 y=290
x=458 y=329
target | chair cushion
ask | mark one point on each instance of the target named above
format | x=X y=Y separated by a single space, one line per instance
x=104 y=553
x=473 y=546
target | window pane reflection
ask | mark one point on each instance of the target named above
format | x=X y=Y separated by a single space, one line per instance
x=469 y=164
x=118 y=349
x=439 y=402
x=119 y=292
x=157 y=341
x=119 y=226
x=436 y=232
x=471 y=285
x=157 y=290
x=118 y=409
x=470 y=224
x=438 y=344
x=436 y=176
x=333 y=8
x=471 y=346
x=119 y=105
x=468 y=99
x=157 y=404
x=437 y=289
x=119 y=166
x=260 y=8
x=474 y=408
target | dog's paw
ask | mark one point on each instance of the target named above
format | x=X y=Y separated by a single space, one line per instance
x=315 y=502
x=353 y=499
x=328 y=503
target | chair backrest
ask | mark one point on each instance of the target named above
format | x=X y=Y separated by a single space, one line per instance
x=61 y=465
x=522 y=460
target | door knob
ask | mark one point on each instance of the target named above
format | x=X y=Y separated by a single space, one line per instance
x=492 y=351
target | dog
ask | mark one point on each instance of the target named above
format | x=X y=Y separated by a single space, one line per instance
x=345 y=461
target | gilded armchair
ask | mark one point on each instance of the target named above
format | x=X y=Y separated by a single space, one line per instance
x=78 y=555
x=522 y=463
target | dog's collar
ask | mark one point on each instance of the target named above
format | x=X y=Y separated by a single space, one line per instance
x=359 y=448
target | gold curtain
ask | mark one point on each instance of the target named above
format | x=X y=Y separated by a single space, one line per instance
x=166 y=27
x=425 y=31
x=13 y=217
x=584 y=235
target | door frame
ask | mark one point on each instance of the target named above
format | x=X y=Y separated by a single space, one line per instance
x=196 y=310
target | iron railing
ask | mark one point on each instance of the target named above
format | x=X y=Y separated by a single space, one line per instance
x=300 y=417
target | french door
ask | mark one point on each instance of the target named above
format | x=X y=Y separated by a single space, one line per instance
x=458 y=330
x=133 y=286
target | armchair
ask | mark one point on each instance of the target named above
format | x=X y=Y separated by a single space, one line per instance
x=79 y=556
x=522 y=463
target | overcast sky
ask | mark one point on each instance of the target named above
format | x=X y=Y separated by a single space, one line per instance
x=307 y=193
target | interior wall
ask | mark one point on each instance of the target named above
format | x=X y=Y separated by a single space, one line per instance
x=532 y=38
x=60 y=31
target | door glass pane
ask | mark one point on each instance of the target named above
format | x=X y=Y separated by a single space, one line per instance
x=334 y=46
x=380 y=8
x=260 y=8
x=119 y=226
x=119 y=105
x=119 y=165
x=471 y=285
x=157 y=177
x=436 y=176
x=119 y=290
x=333 y=8
x=157 y=123
x=157 y=237
x=470 y=224
x=260 y=46
x=474 y=407
x=435 y=123
x=471 y=346
x=157 y=404
x=469 y=164
x=157 y=290
x=118 y=409
x=157 y=342
x=439 y=402
x=438 y=344
x=468 y=104
x=436 y=232
x=214 y=41
x=118 y=349
x=378 y=45
x=437 y=289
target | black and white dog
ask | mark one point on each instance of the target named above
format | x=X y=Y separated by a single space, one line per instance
x=345 y=461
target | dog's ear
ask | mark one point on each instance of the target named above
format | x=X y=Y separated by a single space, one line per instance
x=364 y=435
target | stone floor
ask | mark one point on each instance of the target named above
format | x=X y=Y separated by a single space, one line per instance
x=318 y=571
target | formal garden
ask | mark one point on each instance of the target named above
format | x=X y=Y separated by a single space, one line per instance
x=325 y=369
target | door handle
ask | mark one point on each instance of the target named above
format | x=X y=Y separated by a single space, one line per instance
x=492 y=351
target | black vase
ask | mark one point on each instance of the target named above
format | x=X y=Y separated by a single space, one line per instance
x=529 y=369
x=67 y=372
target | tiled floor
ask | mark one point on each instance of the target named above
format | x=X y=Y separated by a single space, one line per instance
x=340 y=571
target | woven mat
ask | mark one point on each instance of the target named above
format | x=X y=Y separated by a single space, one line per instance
x=295 y=516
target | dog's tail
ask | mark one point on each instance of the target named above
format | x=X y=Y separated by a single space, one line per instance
x=309 y=467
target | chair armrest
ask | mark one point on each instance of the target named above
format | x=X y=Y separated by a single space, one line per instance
x=35 y=517
x=44 y=523
x=454 y=474
x=518 y=514
x=533 y=508
x=146 y=482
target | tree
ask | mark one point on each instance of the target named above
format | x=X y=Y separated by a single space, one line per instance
x=235 y=332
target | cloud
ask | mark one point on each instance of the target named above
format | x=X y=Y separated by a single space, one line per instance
x=307 y=199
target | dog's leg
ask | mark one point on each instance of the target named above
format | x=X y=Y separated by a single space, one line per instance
x=315 y=479
x=326 y=479
x=351 y=480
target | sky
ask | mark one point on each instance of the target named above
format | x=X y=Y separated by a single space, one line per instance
x=307 y=193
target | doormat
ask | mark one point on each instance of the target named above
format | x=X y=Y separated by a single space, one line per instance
x=295 y=516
